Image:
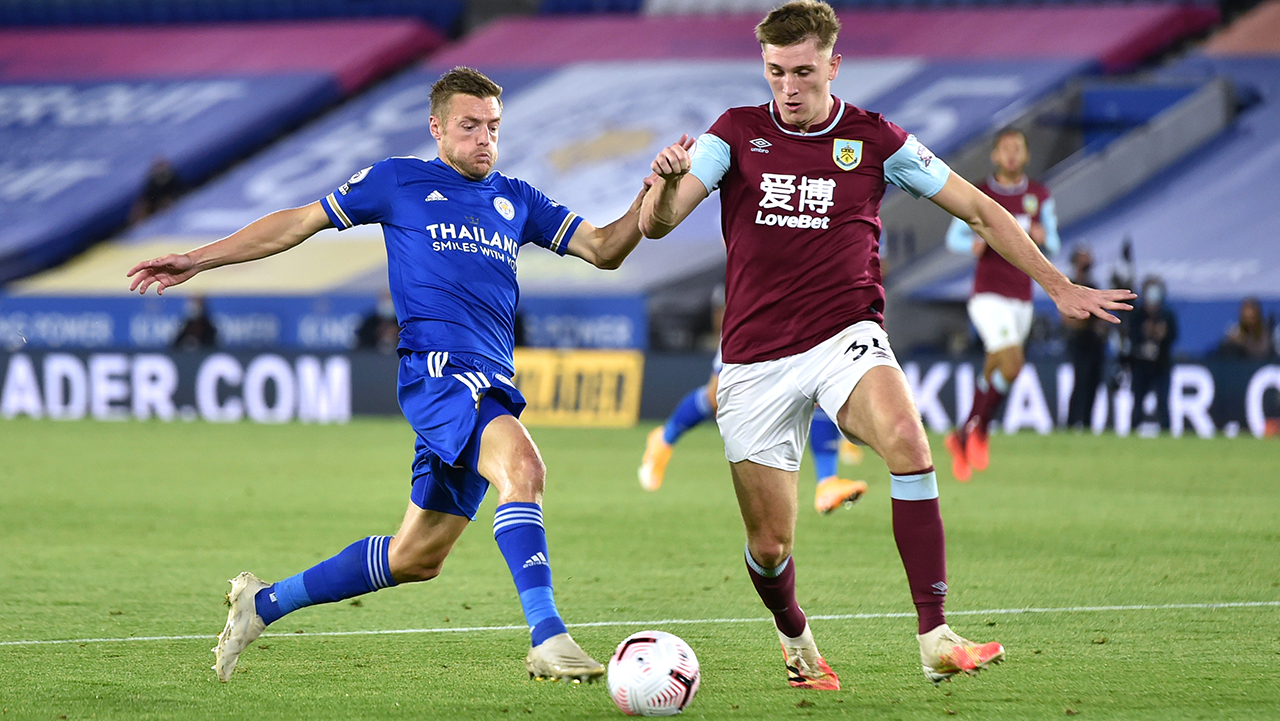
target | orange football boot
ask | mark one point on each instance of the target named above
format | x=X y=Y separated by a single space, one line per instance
x=657 y=452
x=833 y=492
x=976 y=449
x=959 y=464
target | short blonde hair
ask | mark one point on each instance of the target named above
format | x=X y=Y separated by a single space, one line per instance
x=798 y=21
x=462 y=81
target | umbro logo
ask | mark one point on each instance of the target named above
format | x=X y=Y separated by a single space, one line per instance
x=435 y=195
x=940 y=588
x=761 y=145
x=537 y=559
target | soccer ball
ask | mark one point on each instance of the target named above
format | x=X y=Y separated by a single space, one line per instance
x=653 y=673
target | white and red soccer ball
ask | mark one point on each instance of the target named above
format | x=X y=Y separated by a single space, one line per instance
x=653 y=673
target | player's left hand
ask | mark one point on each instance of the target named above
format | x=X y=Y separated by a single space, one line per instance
x=164 y=271
x=1077 y=301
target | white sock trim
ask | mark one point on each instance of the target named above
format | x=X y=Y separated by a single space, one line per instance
x=766 y=572
x=918 y=487
x=999 y=382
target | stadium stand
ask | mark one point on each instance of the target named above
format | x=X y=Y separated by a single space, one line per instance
x=721 y=7
x=84 y=112
x=939 y=72
x=444 y=15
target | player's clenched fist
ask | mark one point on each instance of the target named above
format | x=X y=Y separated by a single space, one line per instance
x=673 y=161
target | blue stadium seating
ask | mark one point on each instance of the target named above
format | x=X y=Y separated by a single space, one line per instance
x=562 y=7
x=446 y=15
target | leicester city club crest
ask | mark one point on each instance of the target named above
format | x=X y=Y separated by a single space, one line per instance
x=847 y=153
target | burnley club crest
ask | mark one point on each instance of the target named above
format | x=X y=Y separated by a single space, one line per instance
x=847 y=153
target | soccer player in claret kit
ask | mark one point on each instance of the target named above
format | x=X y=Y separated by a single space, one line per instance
x=800 y=182
x=1000 y=306
x=453 y=228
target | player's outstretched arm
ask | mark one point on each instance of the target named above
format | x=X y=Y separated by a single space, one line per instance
x=265 y=236
x=995 y=226
x=674 y=195
x=607 y=247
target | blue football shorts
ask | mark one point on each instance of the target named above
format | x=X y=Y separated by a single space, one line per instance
x=449 y=399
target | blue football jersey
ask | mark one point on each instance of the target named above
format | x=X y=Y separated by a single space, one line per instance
x=452 y=244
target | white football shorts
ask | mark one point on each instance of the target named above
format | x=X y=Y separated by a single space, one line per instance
x=765 y=408
x=1002 y=322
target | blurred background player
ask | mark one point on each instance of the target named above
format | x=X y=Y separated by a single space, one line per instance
x=1000 y=307
x=829 y=447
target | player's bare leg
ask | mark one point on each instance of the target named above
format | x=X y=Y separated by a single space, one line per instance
x=767 y=500
x=881 y=412
x=425 y=538
x=415 y=553
x=510 y=461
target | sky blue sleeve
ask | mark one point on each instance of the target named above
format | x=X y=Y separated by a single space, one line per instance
x=710 y=160
x=916 y=170
x=959 y=237
x=549 y=224
x=1049 y=219
x=365 y=198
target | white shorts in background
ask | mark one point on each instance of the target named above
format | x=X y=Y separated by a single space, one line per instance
x=765 y=408
x=1002 y=322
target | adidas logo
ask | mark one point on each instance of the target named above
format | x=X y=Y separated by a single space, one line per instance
x=435 y=195
x=537 y=559
x=760 y=145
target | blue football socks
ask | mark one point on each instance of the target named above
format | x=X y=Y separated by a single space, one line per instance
x=518 y=529
x=694 y=408
x=824 y=437
x=360 y=568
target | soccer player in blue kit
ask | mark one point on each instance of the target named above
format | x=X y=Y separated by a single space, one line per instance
x=453 y=228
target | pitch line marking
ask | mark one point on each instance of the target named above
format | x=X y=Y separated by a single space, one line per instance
x=674 y=622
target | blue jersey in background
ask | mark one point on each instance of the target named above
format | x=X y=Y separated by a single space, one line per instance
x=452 y=244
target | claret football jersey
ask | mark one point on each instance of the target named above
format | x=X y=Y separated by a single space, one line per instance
x=1027 y=201
x=452 y=244
x=800 y=217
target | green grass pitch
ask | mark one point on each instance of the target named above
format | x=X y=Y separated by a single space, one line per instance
x=1121 y=549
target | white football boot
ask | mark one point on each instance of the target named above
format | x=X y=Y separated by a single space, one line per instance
x=560 y=658
x=243 y=624
x=805 y=666
x=943 y=654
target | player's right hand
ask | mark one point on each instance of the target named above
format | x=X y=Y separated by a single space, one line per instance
x=163 y=272
x=674 y=160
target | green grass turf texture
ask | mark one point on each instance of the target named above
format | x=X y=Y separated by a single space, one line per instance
x=117 y=530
